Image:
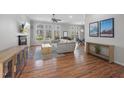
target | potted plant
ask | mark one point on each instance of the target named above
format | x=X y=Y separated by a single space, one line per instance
x=97 y=49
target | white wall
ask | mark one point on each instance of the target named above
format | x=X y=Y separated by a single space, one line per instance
x=118 y=40
x=8 y=31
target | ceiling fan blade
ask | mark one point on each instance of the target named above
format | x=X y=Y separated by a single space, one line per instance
x=58 y=19
x=54 y=20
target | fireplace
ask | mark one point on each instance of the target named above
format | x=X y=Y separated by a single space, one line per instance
x=22 y=40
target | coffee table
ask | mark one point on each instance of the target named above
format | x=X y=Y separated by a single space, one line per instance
x=46 y=49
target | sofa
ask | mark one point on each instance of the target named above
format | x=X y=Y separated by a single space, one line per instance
x=65 y=46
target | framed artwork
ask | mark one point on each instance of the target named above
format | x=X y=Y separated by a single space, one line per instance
x=94 y=29
x=107 y=28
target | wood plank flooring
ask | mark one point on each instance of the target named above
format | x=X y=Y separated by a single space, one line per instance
x=69 y=65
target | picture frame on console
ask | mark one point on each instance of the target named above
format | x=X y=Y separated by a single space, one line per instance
x=107 y=28
x=94 y=29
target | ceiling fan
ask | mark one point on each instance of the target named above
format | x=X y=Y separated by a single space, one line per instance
x=55 y=20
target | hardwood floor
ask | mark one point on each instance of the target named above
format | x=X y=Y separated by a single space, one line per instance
x=69 y=65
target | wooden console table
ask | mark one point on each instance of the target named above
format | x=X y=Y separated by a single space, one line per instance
x=10 y=55
x=110 y=56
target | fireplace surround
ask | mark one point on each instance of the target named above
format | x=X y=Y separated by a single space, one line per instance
x=22 y=40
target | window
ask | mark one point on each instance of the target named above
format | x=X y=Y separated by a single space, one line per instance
x=48 y=34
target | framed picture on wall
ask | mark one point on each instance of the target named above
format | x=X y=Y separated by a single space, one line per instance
x=107 y=28
x=94 y=29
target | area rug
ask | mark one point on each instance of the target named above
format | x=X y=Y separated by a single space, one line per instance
x=39 y=56
x=60 y=55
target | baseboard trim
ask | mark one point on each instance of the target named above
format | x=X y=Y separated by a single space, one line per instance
x=117 y=62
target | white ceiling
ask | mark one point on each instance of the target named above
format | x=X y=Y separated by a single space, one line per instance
x=66 y=18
